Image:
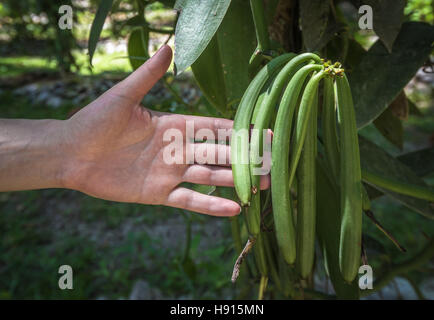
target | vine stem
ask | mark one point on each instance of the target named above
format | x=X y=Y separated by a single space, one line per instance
x=236 y=235
x=162 y=31
x=258 y=11
x=188 y=237
x=262 y=287
x=263 y=39
x=370 y=215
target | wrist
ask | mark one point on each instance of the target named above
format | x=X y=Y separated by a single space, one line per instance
x=57 y=145
x=69 y=173
x=32 y=154
x=49 y=151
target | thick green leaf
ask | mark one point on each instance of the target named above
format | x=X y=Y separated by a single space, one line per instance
x=355 y=56
x=314 y=16
x=421 y=161
x=347 y=51
x=138 y=47
x=381 y=75
x=391 y=128
x=205 y=189
x=221 y=69
x=387 y=19
x=201 y=188
x=168 y=3
x=136 y=21
x=372 y=192
x=332 y=29
x=97 y=25
x=328 y=227
x=197 y=23
x=226 y=192
x=375 y=160
x=237 y=41
x=208 y=72
x=399 y=106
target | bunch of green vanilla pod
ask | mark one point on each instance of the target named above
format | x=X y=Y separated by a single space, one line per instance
x=293 y=82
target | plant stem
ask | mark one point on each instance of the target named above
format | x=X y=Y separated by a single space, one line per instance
x=262 y=287
x=370 y=215
x=271 y=263
x=188 y=241
x=411 y=190
x=235 y=228
x=258 y=11
x=188 y=234
x=162 y=31
x=263 y=45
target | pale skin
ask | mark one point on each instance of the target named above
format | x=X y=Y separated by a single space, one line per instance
x=112 y=149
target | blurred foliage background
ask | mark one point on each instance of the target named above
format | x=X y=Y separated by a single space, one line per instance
x=120 y=251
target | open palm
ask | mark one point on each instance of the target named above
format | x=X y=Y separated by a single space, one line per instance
x=120 y=154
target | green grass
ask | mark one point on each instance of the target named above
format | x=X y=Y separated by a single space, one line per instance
x=116 y=62
x=29 y=259
x=15 y=107
x=32 y=248
x=13 y=66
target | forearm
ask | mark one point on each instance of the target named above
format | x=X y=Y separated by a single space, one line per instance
x=31 y=154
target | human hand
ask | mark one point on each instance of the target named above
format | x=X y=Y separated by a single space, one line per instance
x=116 y=149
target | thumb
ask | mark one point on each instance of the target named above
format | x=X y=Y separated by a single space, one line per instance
x=143 y=79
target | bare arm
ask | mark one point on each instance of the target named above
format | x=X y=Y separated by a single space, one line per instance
x=31 y=154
